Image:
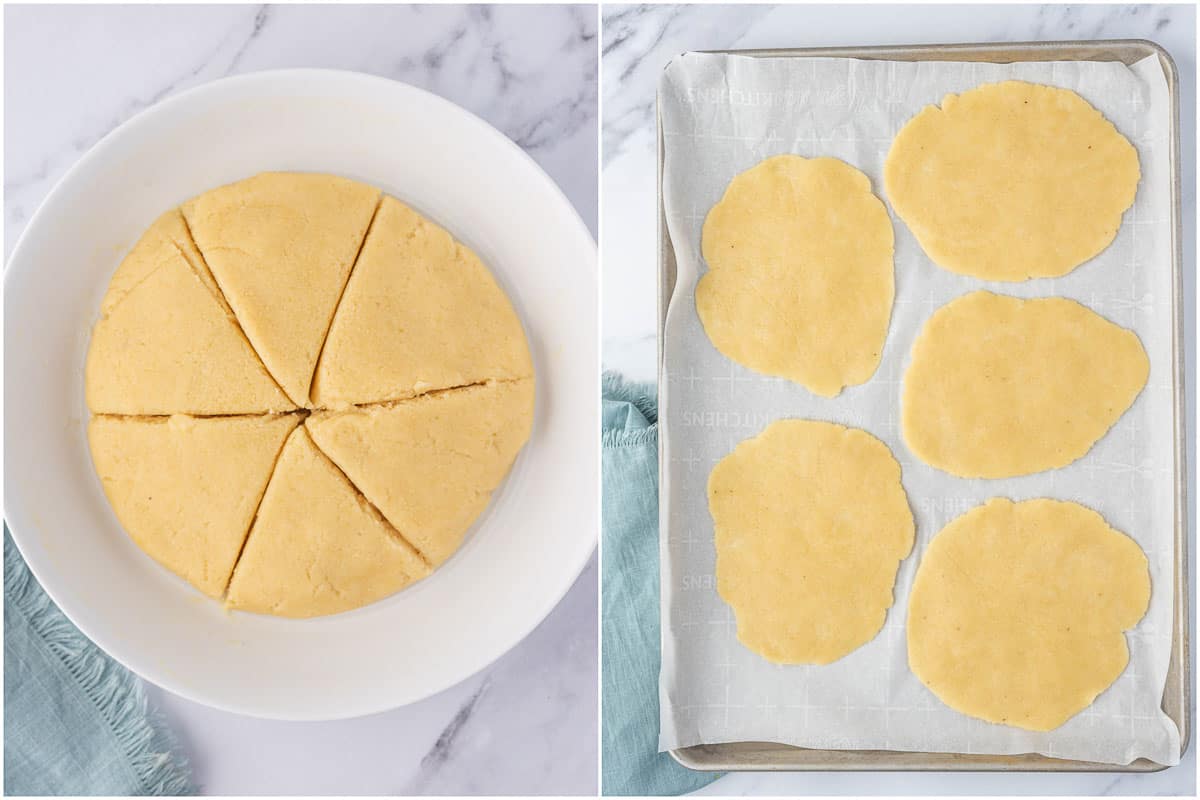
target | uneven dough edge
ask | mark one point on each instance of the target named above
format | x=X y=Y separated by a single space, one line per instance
x=934 y=242
x=724 y=289
x=924 y=373
x=937 y=662
x=748 y=598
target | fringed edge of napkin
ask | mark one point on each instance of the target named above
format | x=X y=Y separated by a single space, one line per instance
x=641 y=396
x=152 y=750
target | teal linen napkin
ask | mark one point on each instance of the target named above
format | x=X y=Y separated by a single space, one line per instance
x=75 y=722
x=630 y=658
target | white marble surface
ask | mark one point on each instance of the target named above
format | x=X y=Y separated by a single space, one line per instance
x=637 y=43
x=527 y=725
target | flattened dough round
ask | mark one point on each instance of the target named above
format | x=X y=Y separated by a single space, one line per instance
x=799 y=280
x=289 y=290
x=1011 y=181
x=1018 y=611
x=811 y=524
x=999 y=386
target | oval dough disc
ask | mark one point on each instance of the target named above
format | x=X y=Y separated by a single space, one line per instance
x=1018 y=611
x=799 y=280
x=1011 y=181
x=999 y=386
x=811 y=524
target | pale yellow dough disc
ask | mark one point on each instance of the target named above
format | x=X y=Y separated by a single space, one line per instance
x=281 y=247
x=999 y=386
x=420 y=313
x=430 y=464
x=317 y=547
x=811 y=524
x=1011 y=181
x=185 y=489
x=799 y=280
x=1018 y=611
x=165 y=344
x=287 y=290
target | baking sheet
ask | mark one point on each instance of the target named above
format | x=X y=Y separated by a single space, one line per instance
x=721 y=115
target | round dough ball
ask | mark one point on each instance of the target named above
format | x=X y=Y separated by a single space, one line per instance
x=811 y=525
x=799 y=280
x=999 y=386
x=1011 y=181
x=1018 y=611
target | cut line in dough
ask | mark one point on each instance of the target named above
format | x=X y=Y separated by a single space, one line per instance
x=420 y=311
x=289 y=250
x=281 y=247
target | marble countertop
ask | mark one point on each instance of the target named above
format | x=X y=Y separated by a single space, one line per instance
x=638 y=41
x=526 y=725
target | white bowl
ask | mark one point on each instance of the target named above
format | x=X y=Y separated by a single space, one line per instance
x=523 y=554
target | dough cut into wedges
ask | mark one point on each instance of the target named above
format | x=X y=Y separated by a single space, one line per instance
x=164 y=344
x=420 y=313
x=185 y=488
x=317 y=546
x=431 y=463
x=281 y=246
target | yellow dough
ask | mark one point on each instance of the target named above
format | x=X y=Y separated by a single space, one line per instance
x=799 y=280
x=281 y=246
x=1000 y=386
x=1018 y=611
x=420 y=313
x=291 y=298
x=185 y=489
x=430 y=464
x=811 y=524
x=1011 y=181
x=164 y=344
x=317 y=547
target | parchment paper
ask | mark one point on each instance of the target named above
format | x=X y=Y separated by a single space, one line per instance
x=720 y=116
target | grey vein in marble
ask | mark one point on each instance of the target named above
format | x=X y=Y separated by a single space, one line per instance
x=529 y=70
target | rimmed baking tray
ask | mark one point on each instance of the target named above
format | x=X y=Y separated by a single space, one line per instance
x=771 y=756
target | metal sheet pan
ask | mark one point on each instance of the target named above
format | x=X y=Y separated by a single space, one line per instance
x=764 y=756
